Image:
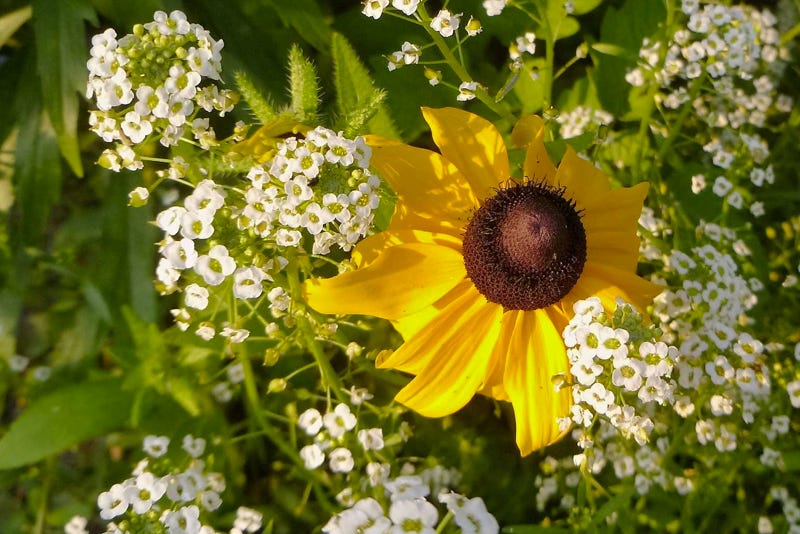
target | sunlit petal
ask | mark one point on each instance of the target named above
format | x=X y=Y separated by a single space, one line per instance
x=472 y=144
x=447 y=382
x=536 y=357
x=391 y=286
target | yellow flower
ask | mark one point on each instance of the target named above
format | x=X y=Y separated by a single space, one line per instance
x=479 y=273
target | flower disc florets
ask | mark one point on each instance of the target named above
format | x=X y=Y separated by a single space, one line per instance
x=525 y=247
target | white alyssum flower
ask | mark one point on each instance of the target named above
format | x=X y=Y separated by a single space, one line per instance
x=340 y=460
x=144 y=492
x=470 y=515
x=113 y=503
x=446 y=23
x=374 y=8
x=413 y=515
x=339 y=421
x=312 y=456
x=155 y=446
x=371 y=439
x=310 y=421
x=193 y=446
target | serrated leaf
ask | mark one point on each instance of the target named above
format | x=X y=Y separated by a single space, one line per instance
x=259 y=105
x=11 y=22
x=357 y=120
x=61 y=63
x=303 y=86
x=64 y=418
x=354 y=87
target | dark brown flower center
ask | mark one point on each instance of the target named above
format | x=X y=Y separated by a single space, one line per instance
x=525 y=247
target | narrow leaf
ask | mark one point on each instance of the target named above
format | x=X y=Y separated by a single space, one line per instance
x=303 y=85
x=357 y=119
x=61 y=59
x=64 y=418
x=259 y=105
x=37 y=170
x=10 y=22
x=354 y=87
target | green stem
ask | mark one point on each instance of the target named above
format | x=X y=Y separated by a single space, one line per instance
x=458 y=67
x=41 y=513
x=328 y=375
x=253 y=402
x=445 y=521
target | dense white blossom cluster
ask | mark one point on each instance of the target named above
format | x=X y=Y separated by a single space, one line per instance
x=175 y=496
x=319 y=184
x=316 y=191
x=410 y=507
x=582 y=119
x=152 y=82
x=617 y=372
x=334 y=434
x=714 y=398
x=736 y=52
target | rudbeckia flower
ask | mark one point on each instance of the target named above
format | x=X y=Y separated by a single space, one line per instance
x=479 y=270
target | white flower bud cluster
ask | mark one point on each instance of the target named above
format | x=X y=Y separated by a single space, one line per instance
x=319 y=184
x=333 y=434
x=738 y=52
x=152 y=81
x=410 y=507
x=616 y=375
x=174 y=498
x=582 y=119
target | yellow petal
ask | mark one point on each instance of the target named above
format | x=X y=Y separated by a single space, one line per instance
x=618 y=249
x=608 y=283
x=424 y=181
x=497 y=365
x=473 y=145
x=615 y=210
x=526 y=130
x=538 y=166
x=409 y=325
x=610 y=221
x=536 y=356
x=457 y=346
x=369 y=249
x=584 y=181
x=404 y=279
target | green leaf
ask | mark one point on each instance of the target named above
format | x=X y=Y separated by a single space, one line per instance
x=305 y=17
x=528 y=87
x=619 y=49
x=357 y=119
x=355 y=89
x=64 y=418
x=584 y=6
x=61 y=60
x=37 y=169
x=259 y=105
x=11 y=22
x=303 y=86
x=561 y=24
x=534 y=529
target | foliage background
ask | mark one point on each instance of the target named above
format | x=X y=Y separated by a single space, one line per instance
x=76 y=262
